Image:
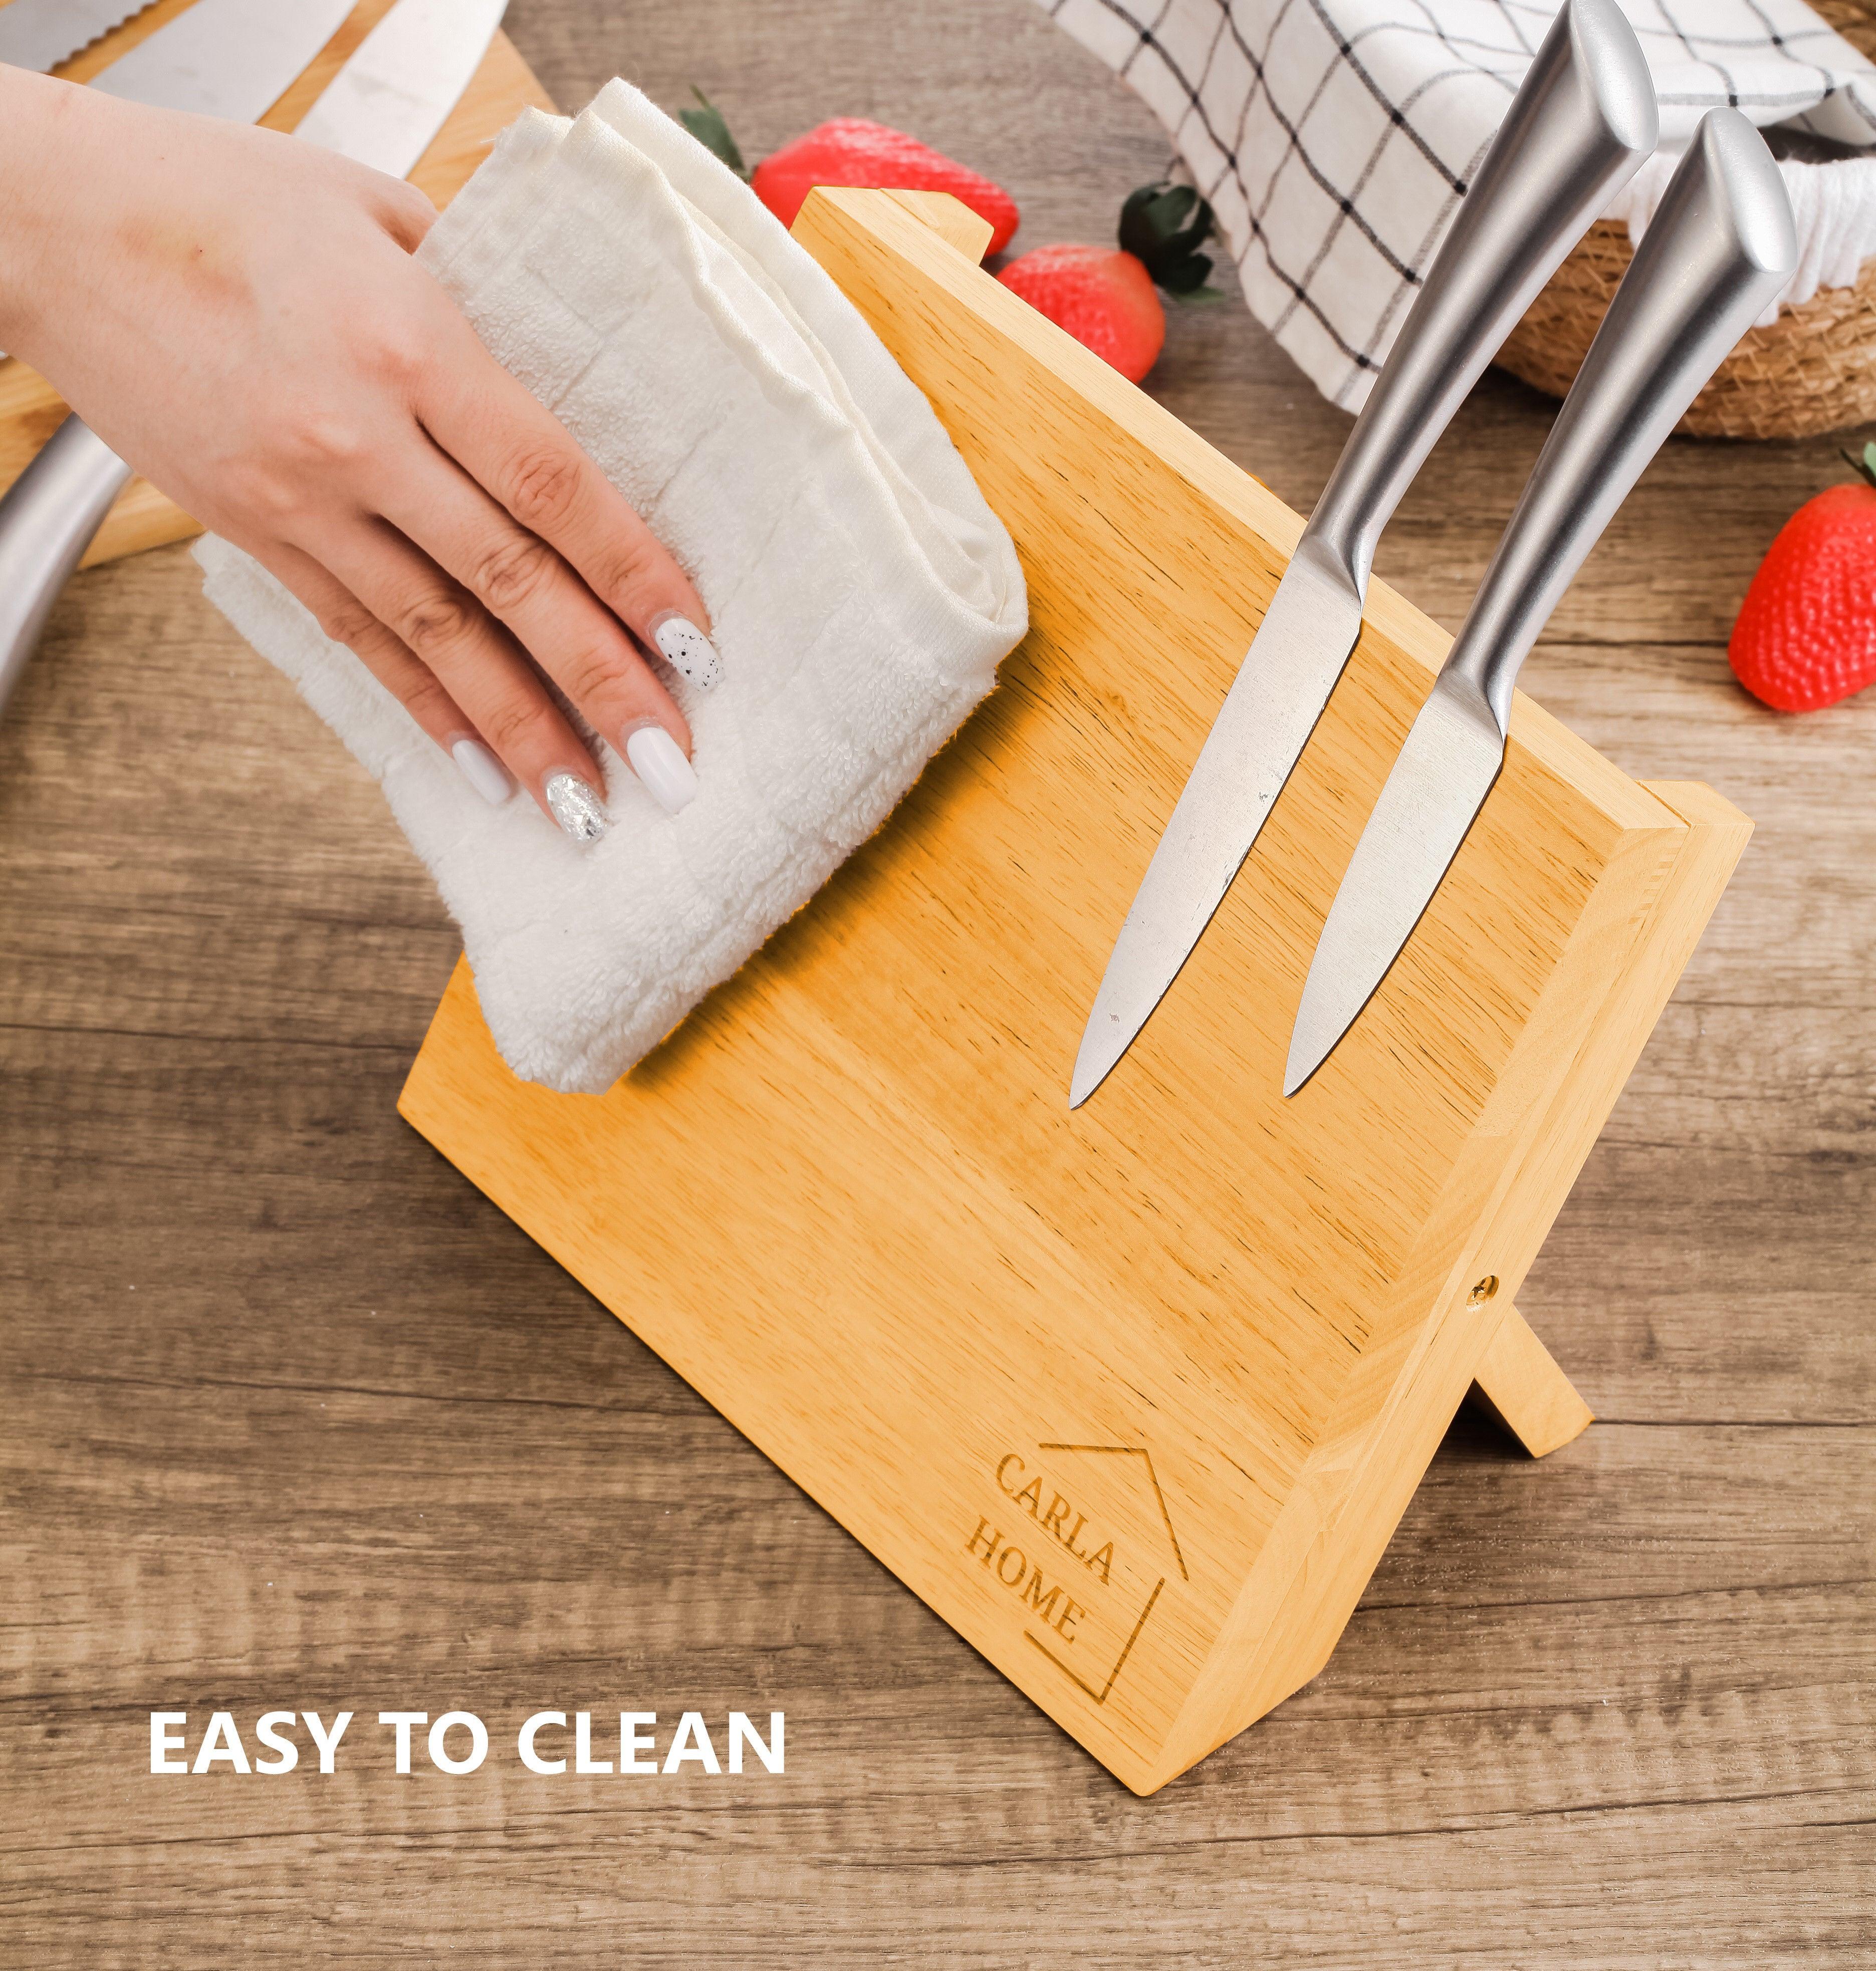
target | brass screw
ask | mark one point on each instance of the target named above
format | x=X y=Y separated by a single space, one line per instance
x=1483 y=1292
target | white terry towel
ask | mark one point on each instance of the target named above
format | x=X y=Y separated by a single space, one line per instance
x=861 y=593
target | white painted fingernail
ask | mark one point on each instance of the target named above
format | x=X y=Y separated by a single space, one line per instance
x=686 y=649
x=483 y=770
x=659 y=761
x=576 y=805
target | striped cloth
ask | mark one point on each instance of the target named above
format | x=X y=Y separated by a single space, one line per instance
x=1335 y=138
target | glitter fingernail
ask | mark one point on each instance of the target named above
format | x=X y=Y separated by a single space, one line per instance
x=576 y=805
x=686 y=649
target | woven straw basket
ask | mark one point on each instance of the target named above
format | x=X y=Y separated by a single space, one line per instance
x=1813 y=371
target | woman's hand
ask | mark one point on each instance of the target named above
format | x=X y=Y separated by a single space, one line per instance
x=238 y=316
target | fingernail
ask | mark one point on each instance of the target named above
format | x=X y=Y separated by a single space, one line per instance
x=576 y=805
x=686 y=649
x=659 y=761
x=483 y=770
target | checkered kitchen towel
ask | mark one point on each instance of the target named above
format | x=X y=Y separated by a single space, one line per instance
x=1335 y=138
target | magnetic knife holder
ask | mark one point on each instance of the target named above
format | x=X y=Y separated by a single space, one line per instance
x=1133 y=1397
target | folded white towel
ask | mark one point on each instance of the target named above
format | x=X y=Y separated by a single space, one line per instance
x=861 y=592
x=1335 y=138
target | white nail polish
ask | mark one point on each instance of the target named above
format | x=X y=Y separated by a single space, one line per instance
x=686 y=649
x=576 y=805
x=483 y=770
x=659 y=761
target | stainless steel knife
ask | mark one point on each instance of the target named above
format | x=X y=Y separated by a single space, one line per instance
x=384 y=106
x=1721 y=246
x=40 y=34
x=1581 y=124
x=398 y=89
x=226 y=58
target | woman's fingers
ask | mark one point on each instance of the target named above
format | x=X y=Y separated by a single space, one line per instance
x=401 y=209
x=508 y=441
x=478 y=665
x=520 y=581
x=346 y=620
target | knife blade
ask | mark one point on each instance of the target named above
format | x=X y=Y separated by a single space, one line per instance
x=1581 y=125
x=1721 y=244
x=233 y=59
x=406 y=75
x=49 y=515
x=40 y=34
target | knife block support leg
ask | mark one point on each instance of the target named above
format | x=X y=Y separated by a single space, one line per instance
x=1518 y=1382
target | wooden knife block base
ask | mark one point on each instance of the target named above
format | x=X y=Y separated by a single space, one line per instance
x=1134 y=1395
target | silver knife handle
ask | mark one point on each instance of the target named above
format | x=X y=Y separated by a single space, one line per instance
x=1721 y=246
x=47 y=518
x=1580 y=127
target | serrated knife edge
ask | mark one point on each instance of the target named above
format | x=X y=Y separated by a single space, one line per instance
x=43 y=35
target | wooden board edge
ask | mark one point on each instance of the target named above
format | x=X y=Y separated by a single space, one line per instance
x=951 y=219
x=140 y=518
x=1331 y=1567
x=417 y=1099
x=845 y=224
x=1713 y=838
x=1702 y=806
x=1369 y=1482
x=1305 y=1584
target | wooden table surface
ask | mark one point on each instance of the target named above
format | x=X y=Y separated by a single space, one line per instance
x=294 y=1419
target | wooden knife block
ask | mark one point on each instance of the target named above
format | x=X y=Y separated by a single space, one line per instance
x=1134 y=1396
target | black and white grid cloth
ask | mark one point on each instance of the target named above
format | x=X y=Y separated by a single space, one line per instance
x=1336 y=138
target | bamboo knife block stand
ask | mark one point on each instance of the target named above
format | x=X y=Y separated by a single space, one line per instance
x=1133 y=1397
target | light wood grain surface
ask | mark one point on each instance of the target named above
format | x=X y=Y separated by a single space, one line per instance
x=295 y=1418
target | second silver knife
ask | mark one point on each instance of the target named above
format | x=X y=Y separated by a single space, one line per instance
x=1720 y=246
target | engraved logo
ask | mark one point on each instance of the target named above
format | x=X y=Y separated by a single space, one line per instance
x=1083 y=1543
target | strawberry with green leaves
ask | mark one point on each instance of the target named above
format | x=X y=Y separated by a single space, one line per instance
x=1105 y=297
x=1806 y=633
x=850 y=151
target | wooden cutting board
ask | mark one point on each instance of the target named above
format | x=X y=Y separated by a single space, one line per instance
x=31 y=409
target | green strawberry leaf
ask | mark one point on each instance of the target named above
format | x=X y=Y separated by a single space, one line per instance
x=707 y=126
x=1163 y=226
x=1866 y=465
x=1186 y=276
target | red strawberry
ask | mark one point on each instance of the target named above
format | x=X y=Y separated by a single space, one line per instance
x=1806 y=632
x=849 y=151
x=1103 y=297
x=1106 y=299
